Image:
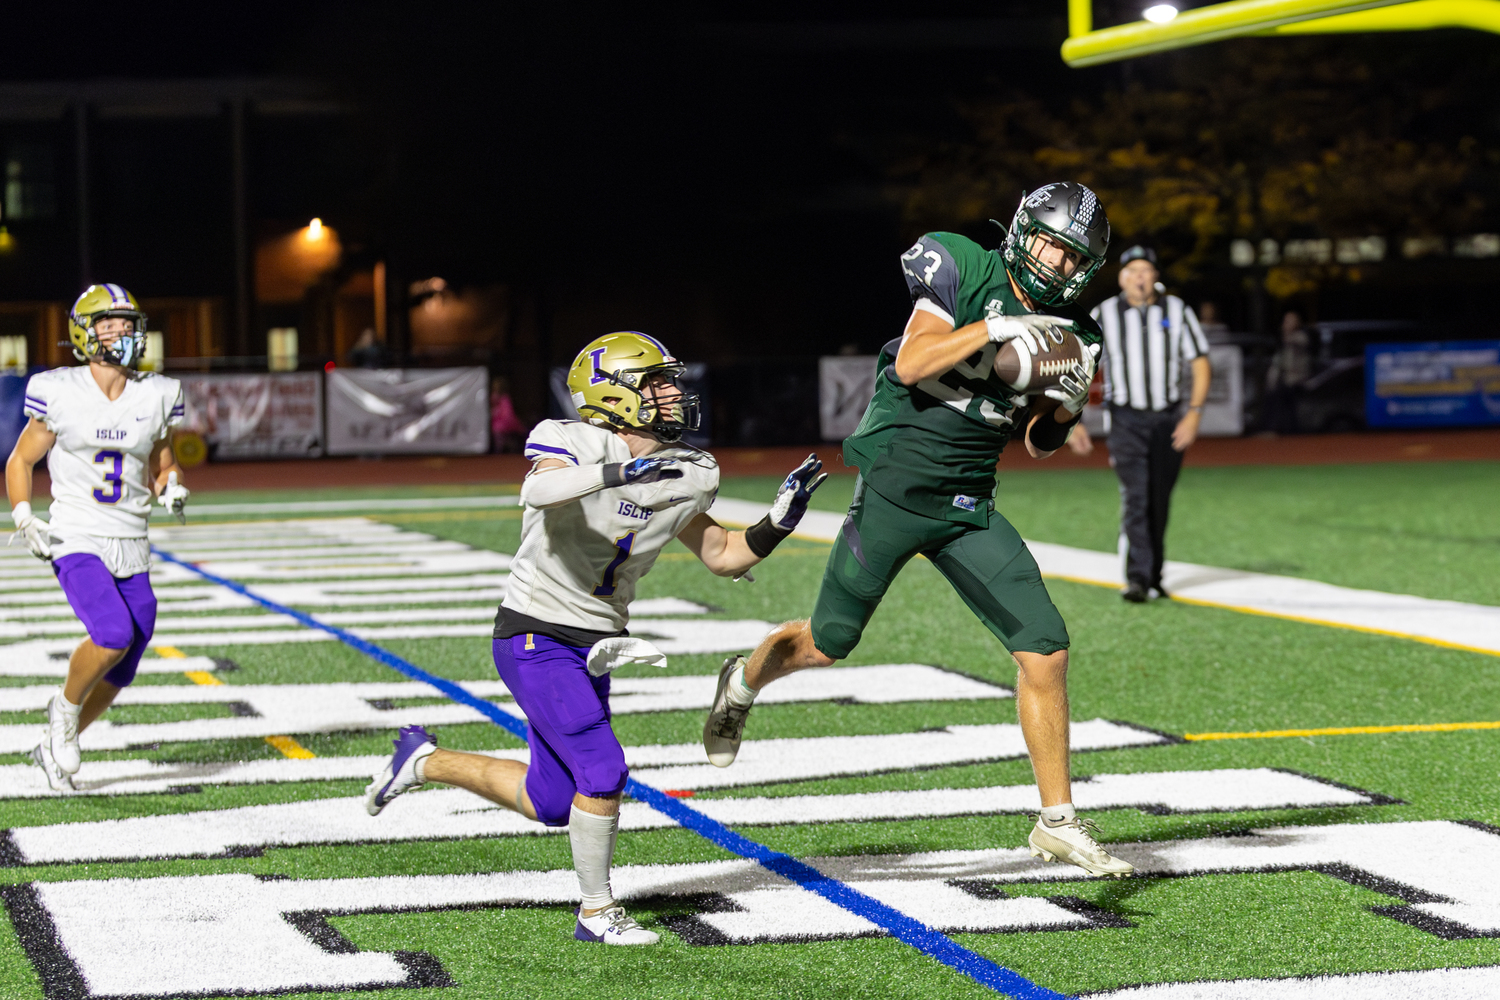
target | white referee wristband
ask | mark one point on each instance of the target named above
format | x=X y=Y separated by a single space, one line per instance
x=20 y=512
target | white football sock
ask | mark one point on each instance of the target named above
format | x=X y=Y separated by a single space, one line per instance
x=65 y=704
x=593 y=841
x=737 y=692
x=1058 y=815
x=419 y=769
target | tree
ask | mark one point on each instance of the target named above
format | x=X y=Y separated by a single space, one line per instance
x=1254 y=139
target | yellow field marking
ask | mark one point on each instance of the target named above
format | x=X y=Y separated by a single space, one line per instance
x=1273 y=734
x=290 y=747
x=1351 y=628
x=1197 y=602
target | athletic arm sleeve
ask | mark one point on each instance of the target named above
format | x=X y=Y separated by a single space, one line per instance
x=932 y=274
x=555 y=487
x=1049 y=435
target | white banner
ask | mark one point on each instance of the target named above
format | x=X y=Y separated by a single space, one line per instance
x=256 y=416
x=1224 y=411
x=408 y=411
x=845 y=385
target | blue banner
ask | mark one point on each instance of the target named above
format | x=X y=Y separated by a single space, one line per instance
x=1454 y=383
x=12 y=419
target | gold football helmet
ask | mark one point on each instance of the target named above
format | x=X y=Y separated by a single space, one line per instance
x=107 y=302
x=628 y=379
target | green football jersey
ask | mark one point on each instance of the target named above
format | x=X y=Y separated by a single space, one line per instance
x=931 y=448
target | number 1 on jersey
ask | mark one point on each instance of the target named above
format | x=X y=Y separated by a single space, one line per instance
x=114 y=477
x=623 y=545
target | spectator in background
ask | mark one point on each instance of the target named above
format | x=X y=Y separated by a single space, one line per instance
x=507 y=432
x=1149 y=339
x=1291 y=366
x=368 y=351
x=1215 y=329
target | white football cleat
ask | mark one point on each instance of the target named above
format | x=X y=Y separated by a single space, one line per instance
x=57 y=779
x=726 y=722
x=612 y=925
x=1073 y=843
x=62 y=735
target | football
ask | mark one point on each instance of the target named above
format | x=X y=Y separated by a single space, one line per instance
x=1025 y=373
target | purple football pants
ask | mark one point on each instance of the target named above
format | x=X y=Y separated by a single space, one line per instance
x=573 y=748
x=118 y=613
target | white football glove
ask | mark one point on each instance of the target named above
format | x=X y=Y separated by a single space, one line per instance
x=1038 y=333
x=1072 y=391
x=796 y=490
x=174 y=497
x=32 y=531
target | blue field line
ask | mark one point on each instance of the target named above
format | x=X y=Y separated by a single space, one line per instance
x=913 y=932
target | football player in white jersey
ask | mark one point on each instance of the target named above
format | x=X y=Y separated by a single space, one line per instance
x=105 y=430
x=606 y=492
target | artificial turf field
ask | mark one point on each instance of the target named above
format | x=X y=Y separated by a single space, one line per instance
x=1426 y=529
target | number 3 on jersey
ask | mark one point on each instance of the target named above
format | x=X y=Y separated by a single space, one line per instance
x=114 y=477
x=623 y=545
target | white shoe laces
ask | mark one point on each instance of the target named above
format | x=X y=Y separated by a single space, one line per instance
x=69 y=724
x=619 y=920
x=1086 y=828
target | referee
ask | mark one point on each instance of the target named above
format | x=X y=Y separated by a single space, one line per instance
x=1149 y=338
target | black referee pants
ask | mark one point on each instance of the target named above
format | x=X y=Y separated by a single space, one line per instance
x=1140 y=449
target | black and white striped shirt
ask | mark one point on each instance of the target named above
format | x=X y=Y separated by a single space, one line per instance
x=1146 y=350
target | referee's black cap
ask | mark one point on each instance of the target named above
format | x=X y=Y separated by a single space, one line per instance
x=1138 y=252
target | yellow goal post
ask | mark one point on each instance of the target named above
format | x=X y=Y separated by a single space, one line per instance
x=1236 y=19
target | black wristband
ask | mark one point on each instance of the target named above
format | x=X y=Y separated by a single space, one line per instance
x=613 y=476
x=1049 y=435
x=763 y=536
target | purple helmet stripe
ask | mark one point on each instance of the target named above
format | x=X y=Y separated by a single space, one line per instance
x=654 y=342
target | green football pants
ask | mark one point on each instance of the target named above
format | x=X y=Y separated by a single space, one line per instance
x=990 y=567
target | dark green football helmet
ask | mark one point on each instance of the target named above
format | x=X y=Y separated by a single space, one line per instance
x=1070 y=213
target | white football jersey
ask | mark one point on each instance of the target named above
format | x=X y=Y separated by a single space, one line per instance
x=579 y=562
x=100 y=463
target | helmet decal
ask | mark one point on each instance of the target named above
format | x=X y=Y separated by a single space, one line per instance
x=1069 y=213
x=107 y=301
x=628 y=379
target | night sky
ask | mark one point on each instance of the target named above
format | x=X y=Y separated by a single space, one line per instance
x=724 y=180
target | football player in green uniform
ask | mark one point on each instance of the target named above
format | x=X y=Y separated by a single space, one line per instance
x=926 y=451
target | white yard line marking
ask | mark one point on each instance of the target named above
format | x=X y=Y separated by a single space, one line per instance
x=1426 y=984
x=678 y=766
x=240 y=919
x=454 y=814
x=1454 y=624
x=49 y=658
x=644 y=610
x=278 y=709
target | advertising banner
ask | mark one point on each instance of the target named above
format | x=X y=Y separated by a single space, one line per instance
x=408 y=411
x=256 y=416
x=1448 y=384
x=12 y=416
x=845 y=385
x=1224 y=410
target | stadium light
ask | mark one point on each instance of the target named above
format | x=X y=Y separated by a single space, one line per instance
x=1159 y=13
